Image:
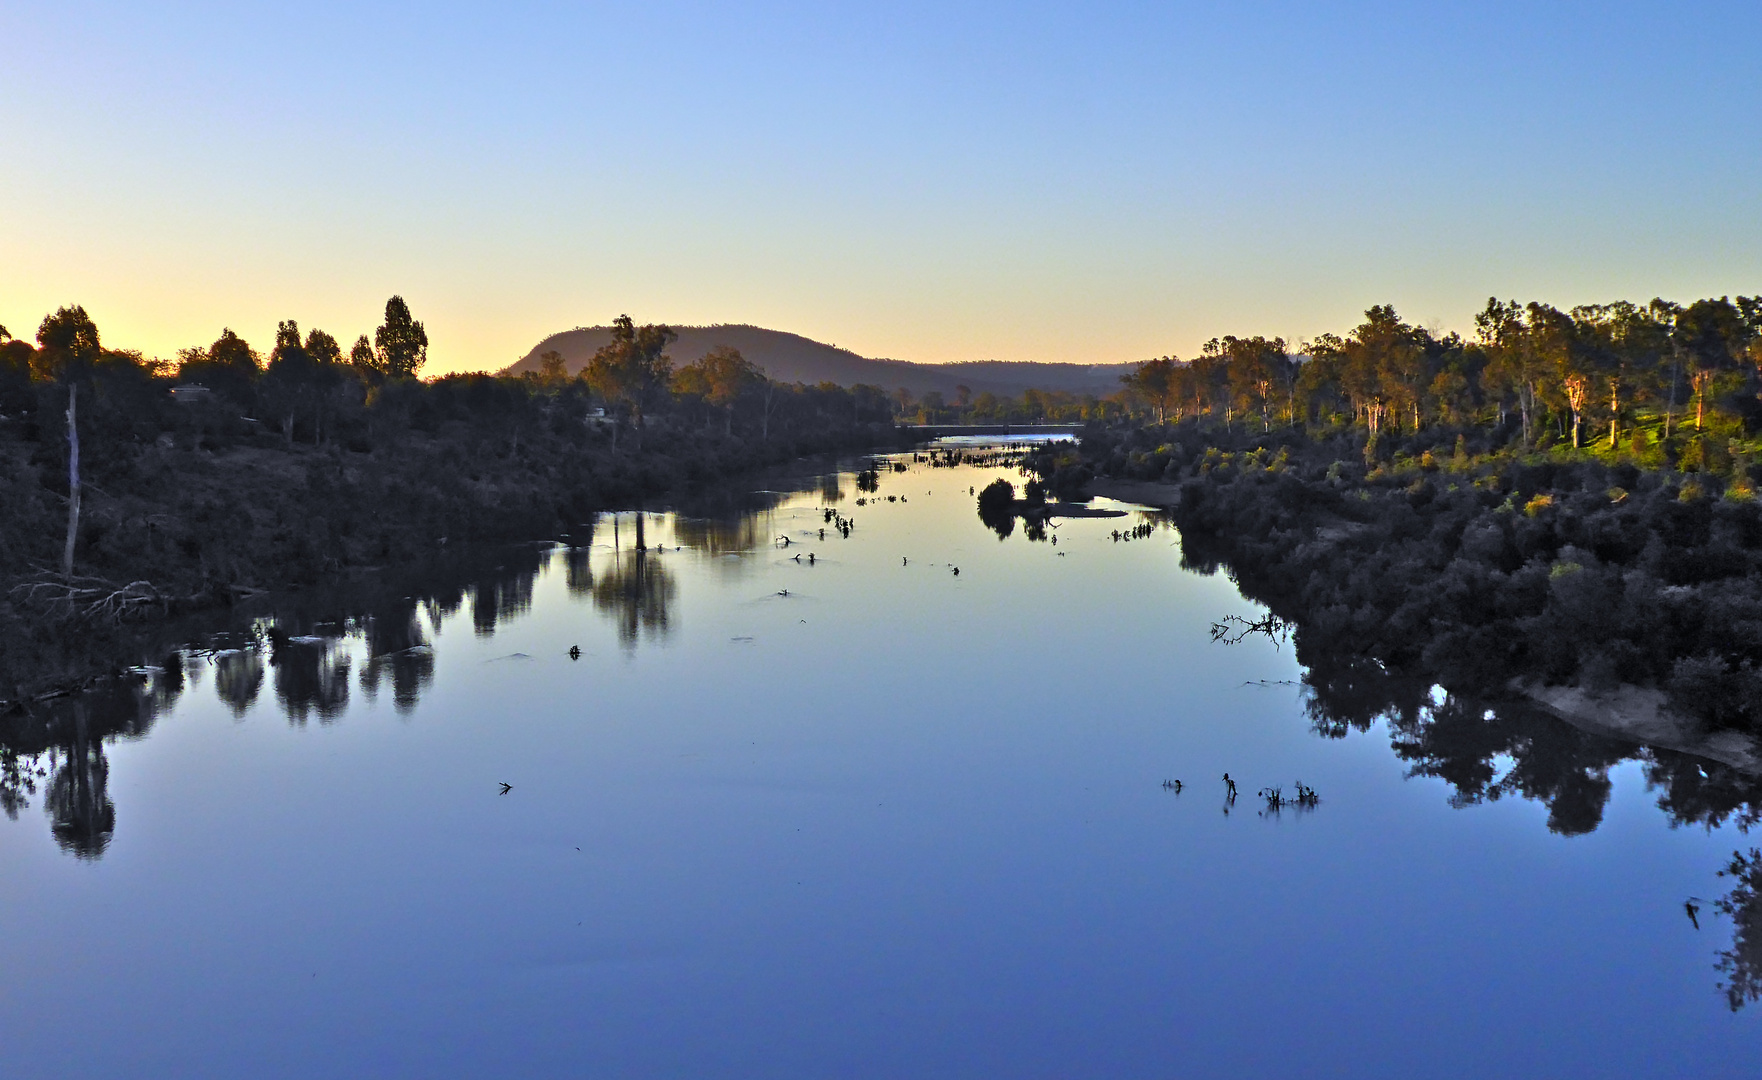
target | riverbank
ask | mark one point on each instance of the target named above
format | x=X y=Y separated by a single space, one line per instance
x=176 y=532
x=1577 y=582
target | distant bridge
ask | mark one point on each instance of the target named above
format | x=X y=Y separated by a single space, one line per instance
x=937 y=431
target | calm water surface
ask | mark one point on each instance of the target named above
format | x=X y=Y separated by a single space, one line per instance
x=863 y=817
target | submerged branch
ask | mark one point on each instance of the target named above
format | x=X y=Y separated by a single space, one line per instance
x=1234 y=629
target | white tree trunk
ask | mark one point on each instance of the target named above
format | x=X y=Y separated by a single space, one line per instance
x=73 y=481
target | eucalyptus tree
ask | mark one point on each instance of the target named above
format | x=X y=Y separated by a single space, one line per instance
x=68 y=349
x=288 y=378
x=1381 y=366
x=1628 y=343
x=1319 y=381
x=1713 y=335
x=1564 y=353
x=1666 y=313
x=633 y=369
x=553 y=370
x=1501 y=331
x=1258 y=369
x=326 y=356
x=722 y=377
x=1155 y=382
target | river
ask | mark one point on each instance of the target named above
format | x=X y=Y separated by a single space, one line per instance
x=820 y=808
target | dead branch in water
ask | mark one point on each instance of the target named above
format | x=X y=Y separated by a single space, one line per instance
x=1234 y=629
x=93 y=598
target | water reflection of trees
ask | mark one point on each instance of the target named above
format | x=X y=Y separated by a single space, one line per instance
x=78 y=799
x=238 y=675
x=735 y=522
x=1740 y=966
x=311 y=675
x=636 y=590
x=501 y=596
x=578 y=564
x=373 y=634
x=1487 y=743
x=53 y=752
x=724 y=536
x=56 y=749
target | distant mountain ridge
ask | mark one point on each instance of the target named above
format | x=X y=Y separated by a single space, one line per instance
x=790 y=357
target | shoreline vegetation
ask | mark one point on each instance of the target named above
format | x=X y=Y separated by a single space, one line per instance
x=1433 y=506
x=1531 y=556
x=1517 y=629
x=138 y=493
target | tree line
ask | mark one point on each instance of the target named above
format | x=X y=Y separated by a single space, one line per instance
x=133 y=489
x=307 y=385
x=1619 y=376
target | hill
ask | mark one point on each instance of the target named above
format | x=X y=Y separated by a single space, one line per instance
x=793 y=358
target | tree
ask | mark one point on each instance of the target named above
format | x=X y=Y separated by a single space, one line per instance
x=16 y=394
x=1320 y=383
x=1502 y=334
x=68 y=347
x=1392 y=357
x=289 y=375
x=721 y=377
x=769 y=401
x=1155 y=382
x=228 y=367
x=1712 y=335
x=633 y=368
x=1257 y=369
x=326 y=357
x=1382 y=364
x=323 y=349
x=552 y=370
x=400 y=342
x=1666 y=313
x=365 y=361
x=1555 y=343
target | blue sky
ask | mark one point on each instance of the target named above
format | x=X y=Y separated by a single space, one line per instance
x=931 y=182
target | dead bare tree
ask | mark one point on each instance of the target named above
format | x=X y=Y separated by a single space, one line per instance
x=73 y=480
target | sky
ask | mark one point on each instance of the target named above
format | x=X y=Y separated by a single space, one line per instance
x=935 y=182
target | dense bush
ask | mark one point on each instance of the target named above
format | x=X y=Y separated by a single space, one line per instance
x=1478 y=573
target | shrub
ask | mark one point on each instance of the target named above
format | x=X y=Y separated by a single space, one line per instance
x=998 y=495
